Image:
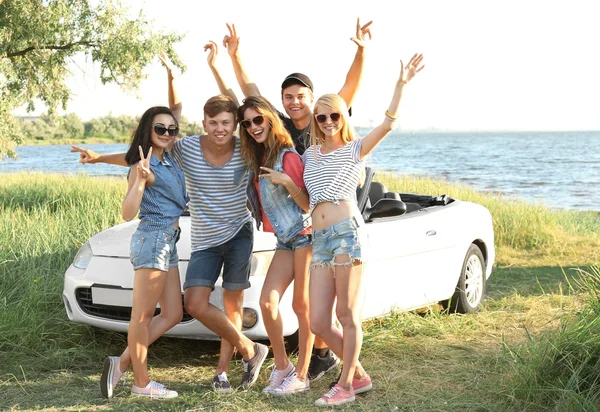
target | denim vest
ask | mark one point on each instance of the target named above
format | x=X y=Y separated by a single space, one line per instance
x=164 y=201
x=287 y=218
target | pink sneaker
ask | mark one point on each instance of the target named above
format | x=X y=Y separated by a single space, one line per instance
x=153 y=390
x=278 y=376
x=336 y=396
x=292 y=385
x=359 y=385
x=362 y=385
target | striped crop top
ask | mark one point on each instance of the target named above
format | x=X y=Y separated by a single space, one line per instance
x=333 y=176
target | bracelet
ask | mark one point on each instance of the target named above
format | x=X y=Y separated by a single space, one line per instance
x=297 y=193
x=390 y=117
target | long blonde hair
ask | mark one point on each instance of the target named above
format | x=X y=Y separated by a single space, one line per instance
x=278 y=137
x=336 y=104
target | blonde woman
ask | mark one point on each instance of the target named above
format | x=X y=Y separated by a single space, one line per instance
x=333 y=166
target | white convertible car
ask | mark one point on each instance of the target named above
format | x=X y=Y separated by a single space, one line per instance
x=424 y=250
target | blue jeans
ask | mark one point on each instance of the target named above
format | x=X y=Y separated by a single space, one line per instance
x=154 y=249
x=347 y=237
x=297 y=242
x=233 y=258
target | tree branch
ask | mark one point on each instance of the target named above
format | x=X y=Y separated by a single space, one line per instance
x=52 y=47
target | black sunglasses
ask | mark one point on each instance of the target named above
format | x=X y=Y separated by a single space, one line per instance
x=257 y=120
x=160 y=130
x=322 y=118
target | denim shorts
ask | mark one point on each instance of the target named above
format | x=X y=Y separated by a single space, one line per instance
x=347 y=237
x=294 y=243
x=234 y=258
x=154 y=249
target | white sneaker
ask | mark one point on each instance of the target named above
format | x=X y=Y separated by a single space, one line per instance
x=292 y=385
x=111 y=373
x=278 y=376
x=153 y=390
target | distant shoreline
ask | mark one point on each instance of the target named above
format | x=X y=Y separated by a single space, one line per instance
x=359 y=129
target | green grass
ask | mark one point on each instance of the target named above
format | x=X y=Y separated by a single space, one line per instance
x=534 y=346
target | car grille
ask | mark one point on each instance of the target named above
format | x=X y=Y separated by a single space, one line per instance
x=122 y=313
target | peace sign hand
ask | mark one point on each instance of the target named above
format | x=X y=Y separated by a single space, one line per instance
x=143 y=166
x=412 y=68
x=231 y=41
x=361 y=33
x=277 y=178
x=213 y=52
x=166 y=61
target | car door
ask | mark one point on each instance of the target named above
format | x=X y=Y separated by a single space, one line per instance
x=406 y=256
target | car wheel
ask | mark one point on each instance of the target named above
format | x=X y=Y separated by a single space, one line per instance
x=470 y=289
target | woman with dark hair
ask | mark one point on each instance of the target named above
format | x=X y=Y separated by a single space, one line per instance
x=156 y=189
x=279 y=201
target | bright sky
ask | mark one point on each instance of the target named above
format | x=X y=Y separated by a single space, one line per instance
x=490 y=65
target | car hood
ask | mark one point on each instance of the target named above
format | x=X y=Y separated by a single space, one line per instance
x=114 y=242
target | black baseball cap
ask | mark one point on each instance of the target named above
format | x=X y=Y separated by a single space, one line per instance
x=297 y=78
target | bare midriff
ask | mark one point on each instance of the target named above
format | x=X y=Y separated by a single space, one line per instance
x=326 y=214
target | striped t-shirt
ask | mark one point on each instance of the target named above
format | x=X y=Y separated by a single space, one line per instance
x=217 y=194
x=333 y=176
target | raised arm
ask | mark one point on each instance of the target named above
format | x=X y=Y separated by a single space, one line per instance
x=391 y=115
x=354 y=76
x=174 y=100
x=232 y=41
x=211 y=46
x=138 y=179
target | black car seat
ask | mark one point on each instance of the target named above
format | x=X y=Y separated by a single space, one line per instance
x=376 y=192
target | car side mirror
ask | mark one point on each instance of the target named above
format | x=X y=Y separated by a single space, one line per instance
x=385 y=208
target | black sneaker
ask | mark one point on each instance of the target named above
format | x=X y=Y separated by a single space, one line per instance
x=221 y=384
x=320 y=366
x=252 y=366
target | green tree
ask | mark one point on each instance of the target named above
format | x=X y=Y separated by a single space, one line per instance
x=72 y=125
x=38 y=39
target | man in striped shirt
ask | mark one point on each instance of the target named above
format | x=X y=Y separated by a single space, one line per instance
x=222 y=235
x=222 y=232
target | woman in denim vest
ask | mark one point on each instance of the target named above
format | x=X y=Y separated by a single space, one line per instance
x=156 y=188
x=279 y=202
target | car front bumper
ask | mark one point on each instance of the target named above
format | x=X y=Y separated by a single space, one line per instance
x=101 y=296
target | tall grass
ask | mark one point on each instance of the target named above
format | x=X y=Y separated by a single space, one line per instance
x=44 y=219
x=560 y=368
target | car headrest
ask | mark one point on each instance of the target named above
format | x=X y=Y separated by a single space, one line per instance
x=376 y=191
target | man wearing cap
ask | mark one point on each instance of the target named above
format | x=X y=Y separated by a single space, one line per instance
x=297 y=99
x=297 y=88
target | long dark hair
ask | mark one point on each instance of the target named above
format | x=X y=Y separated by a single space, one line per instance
x=143 y=133
x=278 y=138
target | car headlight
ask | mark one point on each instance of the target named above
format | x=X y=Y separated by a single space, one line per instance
x=82 y=258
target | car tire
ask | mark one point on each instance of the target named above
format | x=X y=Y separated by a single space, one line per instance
x=471 y=287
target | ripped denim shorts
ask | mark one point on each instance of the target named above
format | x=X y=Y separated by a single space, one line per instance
x=347 y=237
